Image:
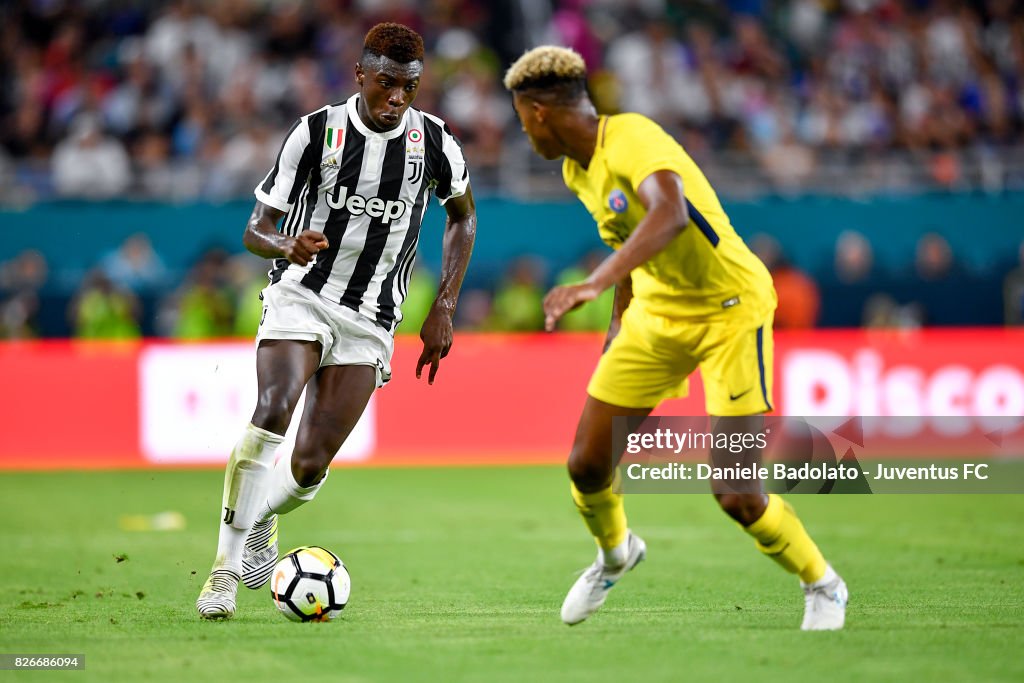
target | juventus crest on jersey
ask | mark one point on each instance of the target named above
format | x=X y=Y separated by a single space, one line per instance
x=367 y=193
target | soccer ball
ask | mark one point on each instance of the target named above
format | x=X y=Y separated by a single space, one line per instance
x=310 y=584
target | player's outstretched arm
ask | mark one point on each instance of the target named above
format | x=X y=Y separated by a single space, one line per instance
x=459 y=235
x=661 y=193
x=263 y=239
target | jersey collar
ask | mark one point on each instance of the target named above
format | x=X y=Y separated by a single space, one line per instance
x=353 y=116
x=598 y=144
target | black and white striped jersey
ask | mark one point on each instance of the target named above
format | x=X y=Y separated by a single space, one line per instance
x=367 y=192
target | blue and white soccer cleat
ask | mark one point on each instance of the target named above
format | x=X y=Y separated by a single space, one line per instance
x=825 y=603
x=590 y=590
x=217 y=599
x=259 y=554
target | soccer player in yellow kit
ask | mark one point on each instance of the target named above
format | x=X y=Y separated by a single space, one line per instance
x=689 y=293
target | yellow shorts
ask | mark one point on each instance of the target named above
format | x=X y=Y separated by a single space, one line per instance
x=651 y=357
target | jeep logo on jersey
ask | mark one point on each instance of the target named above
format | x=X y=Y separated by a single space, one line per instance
x=374 y=207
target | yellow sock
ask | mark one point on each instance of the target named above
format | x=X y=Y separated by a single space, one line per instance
x=604 y=514
x=781 y=536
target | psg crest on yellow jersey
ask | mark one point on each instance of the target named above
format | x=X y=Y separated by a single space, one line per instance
x=617 y=201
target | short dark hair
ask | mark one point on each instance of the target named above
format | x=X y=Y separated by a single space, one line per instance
x=558 y=91
x=397 y=42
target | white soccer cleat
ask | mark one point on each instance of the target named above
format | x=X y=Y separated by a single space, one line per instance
x=217 y=599
x=259 y=554
x=591 y=589
x=825 y=603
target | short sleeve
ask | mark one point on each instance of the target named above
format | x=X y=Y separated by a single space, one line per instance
x=282 y=185
x=452 y=174
x=638 y=147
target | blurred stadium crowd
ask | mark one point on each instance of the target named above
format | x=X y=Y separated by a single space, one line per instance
x=189 y=98
x=182 y=100
x=131 y=293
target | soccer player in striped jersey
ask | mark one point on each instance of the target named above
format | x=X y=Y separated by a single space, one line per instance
x=689 y=293
x=352 y=182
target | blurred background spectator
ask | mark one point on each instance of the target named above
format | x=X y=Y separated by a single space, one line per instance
x=89 y=164
x=799 y=299
x=790 y=95
x=1013 y=288
x=854 y=259
x=518 y=300
x=135 y=266
x=594 y=315
x=102 y=310
x=247 y=276
x=21 y=280
x=934 y=262
x=203 y=307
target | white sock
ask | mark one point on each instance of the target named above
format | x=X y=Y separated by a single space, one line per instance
x=617 y=556
x=245 y=481
x=284 y=493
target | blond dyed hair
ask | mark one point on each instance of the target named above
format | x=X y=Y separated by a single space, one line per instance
x=545 y=67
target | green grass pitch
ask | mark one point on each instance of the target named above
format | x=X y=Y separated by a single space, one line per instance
x=458 y=575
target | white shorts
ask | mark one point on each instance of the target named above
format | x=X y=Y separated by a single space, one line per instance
x=293 y=311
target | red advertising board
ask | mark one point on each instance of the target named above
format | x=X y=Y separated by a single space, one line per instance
x=69 y=404
x=497 y=398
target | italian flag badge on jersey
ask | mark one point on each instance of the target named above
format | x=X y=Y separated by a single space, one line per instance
x=333 y=139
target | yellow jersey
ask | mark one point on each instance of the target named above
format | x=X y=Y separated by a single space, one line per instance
x=707 y=269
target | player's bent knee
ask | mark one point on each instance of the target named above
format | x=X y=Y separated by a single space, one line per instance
x=274 y=411
x=745 y=508
x=308 y=469
x=589 y=473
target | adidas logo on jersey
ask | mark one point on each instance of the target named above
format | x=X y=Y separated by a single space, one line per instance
x=374 y=207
